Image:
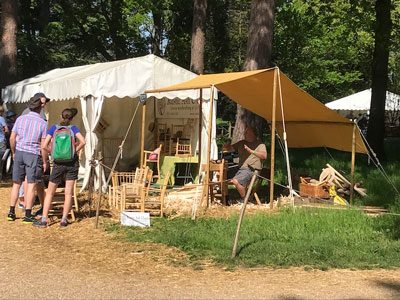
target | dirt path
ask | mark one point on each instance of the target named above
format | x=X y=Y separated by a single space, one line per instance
x=81 y=262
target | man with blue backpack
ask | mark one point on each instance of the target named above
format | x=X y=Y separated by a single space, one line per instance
x=64 y=149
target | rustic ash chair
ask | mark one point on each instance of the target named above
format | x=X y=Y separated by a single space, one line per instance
x=154 y=201
x=152 y=158
x=133 y=194
x=183 y=149
x=219 y=187
x=118 y=179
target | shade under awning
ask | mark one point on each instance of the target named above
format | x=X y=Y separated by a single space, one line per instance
x=308 y=122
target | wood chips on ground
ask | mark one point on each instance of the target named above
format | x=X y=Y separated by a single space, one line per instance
x=81 y=262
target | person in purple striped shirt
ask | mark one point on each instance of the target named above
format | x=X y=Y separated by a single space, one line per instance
x=26 y=140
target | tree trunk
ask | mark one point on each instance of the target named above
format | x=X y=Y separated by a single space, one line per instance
x=157 y=32
x=198 y=36
x=258 y=56
x=8 y=49
x=44 y=14
x=376 y=125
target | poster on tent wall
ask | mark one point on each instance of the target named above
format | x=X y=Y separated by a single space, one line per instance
x=177 y=108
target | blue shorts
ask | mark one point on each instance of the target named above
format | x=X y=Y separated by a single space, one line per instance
x=25 y=164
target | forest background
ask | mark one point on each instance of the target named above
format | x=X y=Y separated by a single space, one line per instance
x=326 y=47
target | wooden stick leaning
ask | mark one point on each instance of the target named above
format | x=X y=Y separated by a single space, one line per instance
x=100 y=158
x=246 y=199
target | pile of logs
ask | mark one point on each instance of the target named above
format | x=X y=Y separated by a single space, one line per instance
x=332 y=177
x=328 y=178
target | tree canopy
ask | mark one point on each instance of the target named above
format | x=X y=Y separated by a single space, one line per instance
x=324 y=46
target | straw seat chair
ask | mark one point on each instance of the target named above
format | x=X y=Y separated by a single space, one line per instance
x=154 y=201
x=183 y=149
x=133 y=194
x=149 y=160
x=219 y=187
x=118 y=179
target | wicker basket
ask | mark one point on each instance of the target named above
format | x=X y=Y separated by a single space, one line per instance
x=315 y=191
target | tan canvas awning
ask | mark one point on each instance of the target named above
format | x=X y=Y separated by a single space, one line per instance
x=308 y=122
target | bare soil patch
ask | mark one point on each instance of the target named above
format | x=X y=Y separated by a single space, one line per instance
x=82 y=262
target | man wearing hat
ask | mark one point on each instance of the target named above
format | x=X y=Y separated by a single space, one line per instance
x=44 y=100
x=40 y=185
x=26 y=140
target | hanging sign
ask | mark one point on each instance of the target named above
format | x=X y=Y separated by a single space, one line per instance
x=177 y=108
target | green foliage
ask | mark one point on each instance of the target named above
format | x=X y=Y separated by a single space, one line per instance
x=304 y=237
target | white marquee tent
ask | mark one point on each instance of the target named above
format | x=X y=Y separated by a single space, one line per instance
x=360 y=103
x=106 y=95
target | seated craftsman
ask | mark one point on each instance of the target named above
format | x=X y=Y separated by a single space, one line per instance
x=252 y=152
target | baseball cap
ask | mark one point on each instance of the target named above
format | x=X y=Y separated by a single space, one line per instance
x=40 y=95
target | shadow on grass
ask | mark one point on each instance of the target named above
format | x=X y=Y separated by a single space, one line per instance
x=247 y=245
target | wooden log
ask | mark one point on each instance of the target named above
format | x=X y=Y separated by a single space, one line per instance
x=257 y=199
x=357 y=189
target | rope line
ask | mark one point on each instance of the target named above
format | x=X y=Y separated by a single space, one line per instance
x=377 y=163
x=122 y=144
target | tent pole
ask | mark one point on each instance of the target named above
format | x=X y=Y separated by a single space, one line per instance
x=209 y=132
x=291 y=192
x=353 y=162
x=272 y=152
x=200 y=123
x=142 y=137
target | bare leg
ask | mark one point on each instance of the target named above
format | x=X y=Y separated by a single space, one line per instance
x=69 y=186
x=30 y=195
x=47 y=200
x=14 y=193
x=240 y=188
x=40 y=193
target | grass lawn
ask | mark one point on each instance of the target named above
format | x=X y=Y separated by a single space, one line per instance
x=318 y=238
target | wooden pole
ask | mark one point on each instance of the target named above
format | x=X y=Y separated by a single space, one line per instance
x=100 y=159
x=142 y=137
x=209 y=132
x=246 y=199
x=353 y=162
x=272 y=152
x=200 y=122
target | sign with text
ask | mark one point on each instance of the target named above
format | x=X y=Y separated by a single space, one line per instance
x=134 y=218
x=177 y=108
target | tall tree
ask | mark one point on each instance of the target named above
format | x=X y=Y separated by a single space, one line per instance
x=8 y=48
x=258 y=56
x=198 y=36
x=376 y=125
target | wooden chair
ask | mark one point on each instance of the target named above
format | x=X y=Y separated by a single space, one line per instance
x=118 y=179
x=154 y=201
x=183 y=149
x=176 y=134
x=57 y=203
x=149 y=160
x=133 y=194
x=163 y=137
x=219 y=187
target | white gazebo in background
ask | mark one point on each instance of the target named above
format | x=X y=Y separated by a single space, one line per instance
x=359 y=103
